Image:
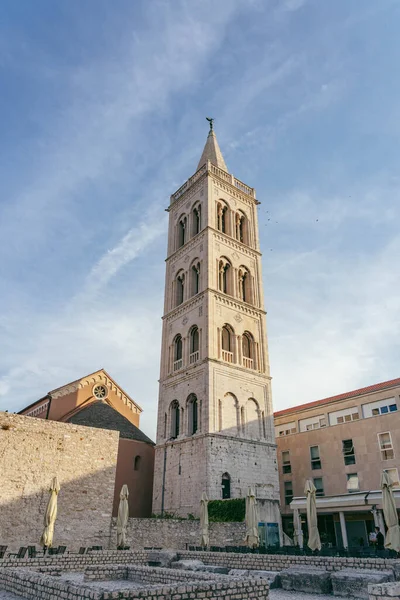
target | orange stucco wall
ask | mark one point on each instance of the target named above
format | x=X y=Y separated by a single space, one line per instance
x=62 y=408
x=139 y=482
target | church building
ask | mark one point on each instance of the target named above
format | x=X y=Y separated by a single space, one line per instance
x=96 y=400
x=215 y=430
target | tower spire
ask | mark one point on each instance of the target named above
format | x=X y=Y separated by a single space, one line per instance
x=212 y=150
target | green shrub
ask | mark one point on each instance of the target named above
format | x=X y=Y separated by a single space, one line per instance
x=227 y=510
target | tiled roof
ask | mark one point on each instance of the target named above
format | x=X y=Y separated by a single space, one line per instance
x=366 y=390
x=102 y=415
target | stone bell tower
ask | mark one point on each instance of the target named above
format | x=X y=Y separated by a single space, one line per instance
x=215 y=421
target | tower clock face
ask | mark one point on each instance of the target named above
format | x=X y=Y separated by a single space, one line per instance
x=100 y=392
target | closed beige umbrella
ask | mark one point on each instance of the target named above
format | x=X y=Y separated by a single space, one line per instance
x=314 y=542
x=123 y=516
x=392 y=540
x=50 y=515
x=252 y=538
x=204 y=535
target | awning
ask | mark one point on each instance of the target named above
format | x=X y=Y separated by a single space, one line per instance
x=345 y=502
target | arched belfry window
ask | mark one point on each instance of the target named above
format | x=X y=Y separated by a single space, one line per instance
x=136 y=463
x=248 y=350
x=241 y=228
x=196 y=219
x=178 y=353
x=194 y=344
x=245 y=287
x=225 y=276
x=182 y=230
x=226 y=486
x=227 y=344
x=175 y=419
x=195 y=278
x=223 y=217
x=180 y=288
x=193 y=413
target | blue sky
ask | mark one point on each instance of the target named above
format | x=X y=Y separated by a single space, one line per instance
x=103 y=109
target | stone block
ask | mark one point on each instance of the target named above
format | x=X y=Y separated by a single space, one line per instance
x=349 y=582
x=273 y=577
x=162 y=558
x=306 y=579
x=188 y=565
x=238 y=572
x=215 y=569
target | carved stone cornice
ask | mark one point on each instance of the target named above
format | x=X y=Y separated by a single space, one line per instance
x=188 y=247
x=216 y=436
x=232 y=243
x=184 y=307
x=253 y=311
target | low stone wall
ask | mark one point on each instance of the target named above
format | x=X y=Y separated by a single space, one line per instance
x=78 y=562
x=177 y=534
x=172 y=585
x=37 y=586
x=278 y=562
x=384 y=591
x=261 y=562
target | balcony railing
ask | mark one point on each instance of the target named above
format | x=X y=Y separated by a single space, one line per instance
x=227 y=356
x=194 y=357
x=247 y=362
x=178 y=364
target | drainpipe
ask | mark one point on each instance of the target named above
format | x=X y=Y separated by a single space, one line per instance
x=163 y=481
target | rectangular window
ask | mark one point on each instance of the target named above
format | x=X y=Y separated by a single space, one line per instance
x=288 y=492
x=312 y=423
x=352 y=482
x=285 y=429
x=348 y=452
x=319 y=485
x=380 y=407
x=394 y=476
x=286 y=466
x=386 y=446
x=315 y=458
x=344 y=416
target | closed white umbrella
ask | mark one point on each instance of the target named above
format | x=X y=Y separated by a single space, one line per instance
x=298 y=532
x=392 y=540
x=123 y=516
x=50 y=515
x=314 y=542
x=204 y=535
x=252 y=538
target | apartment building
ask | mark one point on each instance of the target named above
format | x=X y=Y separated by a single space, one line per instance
x=343 y=443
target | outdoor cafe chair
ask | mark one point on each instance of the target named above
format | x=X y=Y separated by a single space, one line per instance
x=20 y=554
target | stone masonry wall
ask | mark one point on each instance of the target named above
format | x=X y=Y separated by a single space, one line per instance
x=172 y=533
x=384 y=591
x=38 y=586
x=278 y=562
x=32 y=452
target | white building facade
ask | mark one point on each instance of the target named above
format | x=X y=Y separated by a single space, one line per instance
x=215 y=430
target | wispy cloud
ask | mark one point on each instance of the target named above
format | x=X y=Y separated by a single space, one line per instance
x=103 y=131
